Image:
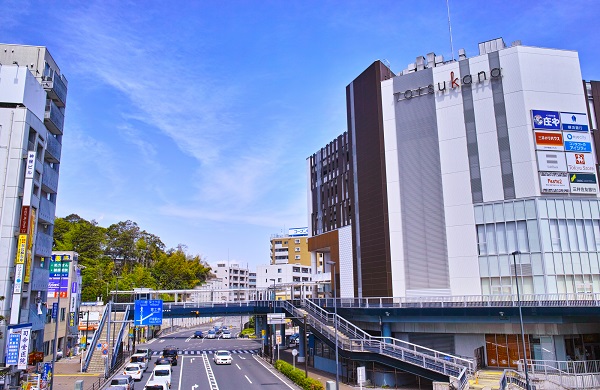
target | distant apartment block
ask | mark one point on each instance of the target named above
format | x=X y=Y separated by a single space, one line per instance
x=290 y=248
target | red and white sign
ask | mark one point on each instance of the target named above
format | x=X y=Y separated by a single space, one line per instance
x=551 y=161
x=545 y=140
x=580 y=162
x=554 y=182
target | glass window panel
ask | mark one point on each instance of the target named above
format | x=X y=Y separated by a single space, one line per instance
x=488 y=213
x=555 y=235
x=545 y=235
x=478 y=214
x=563 y=234
x=538 y=285
x=568 y=263
x=594 y=263
x=580 y=234
x=549 y=263
x=542 y=211
x=577 y=209
x=523 y=243
x=536 y=264
x=490 y=235
x=569 y=208
x=551 y=208
x=481 y=240
x=594 y=206
x=569 y=284
x=505 y=265
x=573 y=247
x=501 y=238
x=560 y=209
x=576 y=263
x=530 y=209
x=493 y=265
x=596 y=284
x=527 y=284
x=511 y=236
x=559 y=265
x=519 y=210
x=561 y=284
x=589 y=234
x=551 y=284
x=586 y=268
x=509 y=212
x=498 y=212
x=484 y=269
x=532 y=236
x=596 y=225
x=587 y=212
x=485 y=286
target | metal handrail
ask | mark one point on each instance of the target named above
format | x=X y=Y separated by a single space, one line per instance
x=319 y=320
x=119 y=338
x=515 y=378
x=97 y=333
x=568 y=374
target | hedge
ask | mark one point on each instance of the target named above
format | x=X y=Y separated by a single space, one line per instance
x=298 y=376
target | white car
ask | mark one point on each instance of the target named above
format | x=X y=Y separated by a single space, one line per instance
x=162 y=373
x=135 y=370
x=211 y=334
x=156 y=385
x=226 y=334
x=222 y=357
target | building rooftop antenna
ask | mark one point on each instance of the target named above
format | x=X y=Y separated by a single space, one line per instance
x=450 y=28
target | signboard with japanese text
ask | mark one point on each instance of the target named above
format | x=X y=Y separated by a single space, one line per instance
x=18 y=287
x=578 y=142
x=551 y=161
x=29 y=255
x=24 y=348
x=545 y=120
x=21 y=249
x=58 y=282
x=12 y=348
x=572 y=121
x=545 y=140
x=24 y=222
x=148 y=312
x=30 y=167
x=583 y=183
x=298 y=232
x=554 y=182
x=580 y=162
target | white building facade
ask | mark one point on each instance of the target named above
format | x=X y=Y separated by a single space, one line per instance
x=290 y=281
x=234 y=278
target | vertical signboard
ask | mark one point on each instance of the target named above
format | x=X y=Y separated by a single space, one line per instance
x=58 y=282
x=30 y=168
x=24 y=348
x=29 y=255
x=12 y=348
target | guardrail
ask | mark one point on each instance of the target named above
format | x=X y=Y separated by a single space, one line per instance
x=97 y=333
x=568 y=374
x=355 y=339
x=514 y=378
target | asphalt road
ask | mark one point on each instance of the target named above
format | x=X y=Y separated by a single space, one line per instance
x=196 y=369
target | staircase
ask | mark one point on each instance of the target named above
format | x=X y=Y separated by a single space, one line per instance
x=486 y=379
x=97 y=362
x=353 y=339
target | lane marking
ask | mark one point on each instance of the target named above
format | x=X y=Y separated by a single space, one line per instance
x=188 y=339
x=180 y=373
x=269 y=369
x=212 y=381
x=248 y=379
x=239 y=368
x=151 y=341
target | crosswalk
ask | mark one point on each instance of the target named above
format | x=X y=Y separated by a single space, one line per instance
x=210 y=351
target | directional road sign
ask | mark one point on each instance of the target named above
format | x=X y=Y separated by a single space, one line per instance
x=148 y=312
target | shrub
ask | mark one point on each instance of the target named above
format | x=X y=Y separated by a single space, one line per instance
x=298 y=376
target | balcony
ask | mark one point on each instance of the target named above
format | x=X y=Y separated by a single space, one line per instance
x=53 y=149
x=43 y=244
x=54 y=119
x=50 y=179
x=56 y=89
x=39 y=278
x=46 y=211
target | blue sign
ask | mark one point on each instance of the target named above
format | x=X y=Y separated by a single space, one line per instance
x=571 y=146
x=12 y=348
x=54 y=309
x=574 y=121
x=46 y=375
x=546 y=120
x=582 y=178
x=148 y=312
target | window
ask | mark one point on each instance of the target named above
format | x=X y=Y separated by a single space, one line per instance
x=63 y=314
x=277 y=242
x=297 y=257
x=297 y=249
x=297 y=241
x=296 y=269
x=278 y=270
x=278 y=280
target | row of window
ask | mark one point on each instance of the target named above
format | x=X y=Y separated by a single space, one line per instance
x=554 y=284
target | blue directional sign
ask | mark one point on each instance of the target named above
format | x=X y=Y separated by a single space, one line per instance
x=148 y=312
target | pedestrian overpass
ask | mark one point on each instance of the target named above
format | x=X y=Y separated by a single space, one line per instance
x=354 y=343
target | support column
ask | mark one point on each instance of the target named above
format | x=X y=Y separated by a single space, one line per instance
x=301 y=346
x=282 y=333
x=386 y=329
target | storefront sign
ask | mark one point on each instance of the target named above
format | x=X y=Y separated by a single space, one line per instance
x=545 y=120
x=21 y=249
x=548 y=141
x=574 y=121
x=24 y=225
x=18 y=287
x=578 y=142
x=554 y=182
x=551 y=161
x=12 y=349
x=30 y=168
x=583 y=183
x=24 y=348
x=580 y=162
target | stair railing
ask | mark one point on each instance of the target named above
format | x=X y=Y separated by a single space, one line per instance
x=119 y=337
x=97 y=333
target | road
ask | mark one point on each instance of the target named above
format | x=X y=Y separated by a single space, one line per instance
x=195 y=367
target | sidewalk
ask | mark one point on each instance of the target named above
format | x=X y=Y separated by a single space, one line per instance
x=67 y=373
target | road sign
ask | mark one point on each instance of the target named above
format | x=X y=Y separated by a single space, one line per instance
x=148 y=312
x=275 y=318
x=361 y=373
x=294 y=352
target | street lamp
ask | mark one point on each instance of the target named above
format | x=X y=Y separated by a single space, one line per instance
x=54 y=350
x=272 y=336
x=514 y=255
x=337 y=370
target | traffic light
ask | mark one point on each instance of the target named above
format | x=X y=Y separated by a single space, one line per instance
x=196 y=313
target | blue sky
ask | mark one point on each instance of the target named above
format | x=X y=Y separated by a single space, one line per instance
x=194 y=119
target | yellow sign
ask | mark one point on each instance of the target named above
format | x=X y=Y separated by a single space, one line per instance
x=263 y=332
x=21 y=249
x=27 y=277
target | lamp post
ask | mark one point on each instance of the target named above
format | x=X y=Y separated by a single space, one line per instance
x=514 y=255
x=337 y=370
x=54 y=350
x=272 y=335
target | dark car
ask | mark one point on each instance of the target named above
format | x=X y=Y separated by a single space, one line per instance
x=171 y=353
x=162 y=361
x=198 y=334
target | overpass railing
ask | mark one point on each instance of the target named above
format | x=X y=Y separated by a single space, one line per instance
x=91 y=347
x=354 y=339
x=119 y=338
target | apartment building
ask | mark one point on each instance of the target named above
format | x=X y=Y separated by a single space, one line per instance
x=233 y=277
x=290 y=248
x=287 y=280
x=33 y=94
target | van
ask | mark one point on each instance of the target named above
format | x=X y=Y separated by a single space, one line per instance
x=156 y=385
x=140 y=359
